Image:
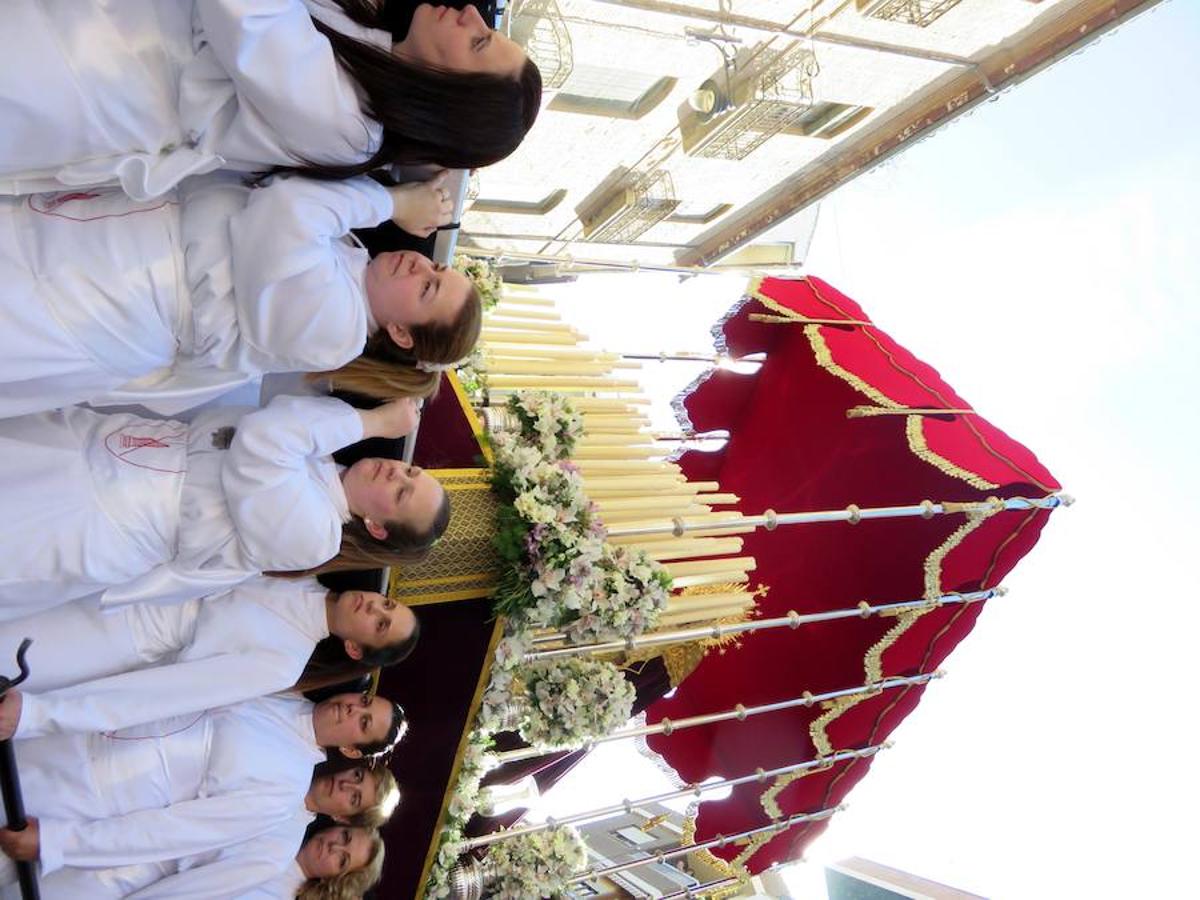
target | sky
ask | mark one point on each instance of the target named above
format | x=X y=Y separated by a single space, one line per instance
x=1042 y=253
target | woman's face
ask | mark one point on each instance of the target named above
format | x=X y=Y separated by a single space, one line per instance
x=388 y=490
x=350 y=721
x=335 y=851
x=371 y=620
x=448 y=38
x=345 y=794
x=405 y=289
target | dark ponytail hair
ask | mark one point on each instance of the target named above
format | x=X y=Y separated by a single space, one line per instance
x=329 y=665
x=459 y=120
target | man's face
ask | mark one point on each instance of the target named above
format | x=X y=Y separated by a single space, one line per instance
x=350 y=721
x=346 y=794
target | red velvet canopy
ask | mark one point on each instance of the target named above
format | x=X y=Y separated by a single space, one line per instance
x=795 y=445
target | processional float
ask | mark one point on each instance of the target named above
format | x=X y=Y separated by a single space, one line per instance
x=823 y=562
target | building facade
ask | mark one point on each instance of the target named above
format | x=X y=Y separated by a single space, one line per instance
x=639 y=834
x=678 y=131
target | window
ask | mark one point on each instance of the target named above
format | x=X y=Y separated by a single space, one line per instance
x=615 y=93
x=634 y=837
x=700 y=218
x=828 y=120
x=520 y=207
x=921 y=13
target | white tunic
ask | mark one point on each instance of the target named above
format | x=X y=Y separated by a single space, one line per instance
x=249 y=642
x=172 y=302
x=90 y=289
x=263 y=867
x=283 y=887
x=224 y=874
x=145 y=92
x=176 y=789
x=156 y=511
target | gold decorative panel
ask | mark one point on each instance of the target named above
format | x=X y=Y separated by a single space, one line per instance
x=463 y=565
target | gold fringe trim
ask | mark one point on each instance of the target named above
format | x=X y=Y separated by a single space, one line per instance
x=873 y=659
x=872 y=671
x=710 y=860
x=933 y=563
x=915 y=433
x=824 y=358
x=864 y=412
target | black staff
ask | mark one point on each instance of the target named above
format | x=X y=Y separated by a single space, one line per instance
x=10 y=783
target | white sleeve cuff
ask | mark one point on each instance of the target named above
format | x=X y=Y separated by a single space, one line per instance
x=52 y=839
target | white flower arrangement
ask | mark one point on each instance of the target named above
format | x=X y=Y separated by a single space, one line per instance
x=486 y=279
x=573 y=700
x=497 y=698
x=559 y=570
x=536 y=865
x=548 y=421
x=477 y=760
x=472 y=375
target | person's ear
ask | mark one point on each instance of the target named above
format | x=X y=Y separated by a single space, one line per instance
x=376 y=530
x=400 y=335
x=351 y=752
x=353 y=649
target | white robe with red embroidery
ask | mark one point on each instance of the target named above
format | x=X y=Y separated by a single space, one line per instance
x=172 y=302
x=158 y=511
x=143 y=93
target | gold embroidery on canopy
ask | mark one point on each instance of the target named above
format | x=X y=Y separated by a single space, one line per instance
x=872 y=671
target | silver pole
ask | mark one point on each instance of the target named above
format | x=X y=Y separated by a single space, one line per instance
x=792 y=620
x=457 y=183
x=700 y=889
x=695 y=790
x=739 y=712
x=680 y=356
x=853 y=514
x=569 y=260
x=692 y=356
x=719 y=841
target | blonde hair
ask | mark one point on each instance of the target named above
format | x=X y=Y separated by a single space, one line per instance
x=381 y=379
x=387 y=798
x=348 y=885
x=386 y=371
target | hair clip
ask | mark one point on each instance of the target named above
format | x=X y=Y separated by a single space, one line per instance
x=425 y=366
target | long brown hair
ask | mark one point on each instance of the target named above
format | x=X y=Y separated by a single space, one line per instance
x=459 y=120
x=386 y=371
x=360 y=550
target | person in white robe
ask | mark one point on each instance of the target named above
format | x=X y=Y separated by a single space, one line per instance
x=178 y=791
x=337 y=855
x=172 y=302
x=157 y=511
x=92 y=670
x=146 y=92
